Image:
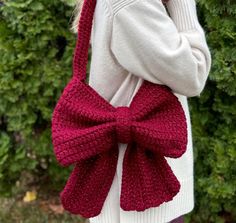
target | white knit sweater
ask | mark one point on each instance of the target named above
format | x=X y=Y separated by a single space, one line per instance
x=134 y=40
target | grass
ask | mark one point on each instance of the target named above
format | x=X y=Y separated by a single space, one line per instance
x=41 y=210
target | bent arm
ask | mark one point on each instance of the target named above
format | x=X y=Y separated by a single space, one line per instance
x=150 y=44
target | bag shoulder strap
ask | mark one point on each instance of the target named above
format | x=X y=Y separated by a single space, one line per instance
x=80 y=58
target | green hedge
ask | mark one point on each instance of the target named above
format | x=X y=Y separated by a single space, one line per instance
x=36 y=50
x=214 y=118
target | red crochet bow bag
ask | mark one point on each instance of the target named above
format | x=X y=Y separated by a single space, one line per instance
x=86 y=130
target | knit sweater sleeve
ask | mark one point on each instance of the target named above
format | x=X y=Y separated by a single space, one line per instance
x=170 y=50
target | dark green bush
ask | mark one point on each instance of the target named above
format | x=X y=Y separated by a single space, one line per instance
x=214 y=118
x=36 y=50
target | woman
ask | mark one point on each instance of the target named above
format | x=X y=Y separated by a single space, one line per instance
x=135 y=40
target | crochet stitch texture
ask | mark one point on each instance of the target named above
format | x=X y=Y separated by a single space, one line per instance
x=86 y=130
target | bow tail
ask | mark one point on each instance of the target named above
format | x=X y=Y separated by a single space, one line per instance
x=147 y=180
x=89 y=184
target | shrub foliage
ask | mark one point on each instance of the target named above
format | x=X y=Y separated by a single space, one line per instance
x=35 y=64
x=214 y=118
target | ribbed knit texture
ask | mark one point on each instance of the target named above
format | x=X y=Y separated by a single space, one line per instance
x=86 y=131
x=184 y=14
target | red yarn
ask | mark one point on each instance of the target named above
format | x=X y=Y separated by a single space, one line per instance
x=86 y=130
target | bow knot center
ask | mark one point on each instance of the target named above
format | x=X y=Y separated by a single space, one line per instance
x=123 y=124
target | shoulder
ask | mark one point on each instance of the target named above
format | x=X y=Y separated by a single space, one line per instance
x=117 y=5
